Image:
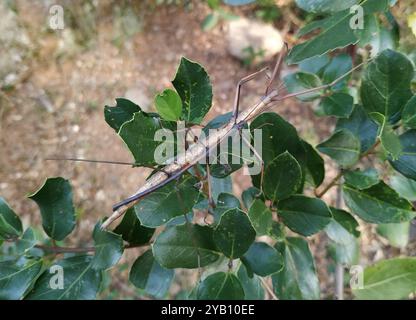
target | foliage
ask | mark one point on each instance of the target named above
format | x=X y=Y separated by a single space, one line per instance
x=375 y=117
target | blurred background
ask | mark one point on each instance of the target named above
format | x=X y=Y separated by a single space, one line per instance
x=56 y=79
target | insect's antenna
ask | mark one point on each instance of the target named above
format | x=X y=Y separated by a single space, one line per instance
x=92 y=161
x=276 y=68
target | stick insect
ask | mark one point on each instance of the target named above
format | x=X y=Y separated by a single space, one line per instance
x=202 y=148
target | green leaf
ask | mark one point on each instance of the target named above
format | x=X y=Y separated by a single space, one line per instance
x=339 y=66
x=220 y=286
x=261 y=217
x=339 y=105
x=132 y=231
x=396 y=233
x=404 y=186
x=335 y=32
x=282 y=177
x=139 y=136
x=147 y=274
x=346 y=253
x=301 y=81
x=325 y=6
x=194 y=87
x=343 y=147
x=360 y=124
x=54 y=199
x=278 y=231
x=315 y=166
x=278 y=136
x=10 y=224
x=298 y=279
x=250 y=195
x=26 y=242
x=314 y=65
x=234 y=234
x=108 y=248
x=210 y=21
x=225 y=202
x=262 y=259
x=185 y=246
x=389 y=280
x=121 y=113
x=80 y=281
x=252 y=286
x=169 y=105
x=362 y=179
x=386 y=84
x=389 y=140
x=174 y=199
x=16 y=277
x=343 y=228
x=378 y=204
x=406 y=163
x=221 y=185
x=409 y=113
x=304 y=215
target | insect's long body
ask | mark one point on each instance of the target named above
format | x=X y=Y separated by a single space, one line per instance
x=184 y=161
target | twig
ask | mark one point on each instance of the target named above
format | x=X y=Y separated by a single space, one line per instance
x=268 y=289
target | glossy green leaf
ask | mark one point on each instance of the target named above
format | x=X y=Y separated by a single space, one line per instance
x=185 y=246
x=250 y=195
x=252 y=286
x=301 y=81
x=335 y=32
x=378 y=204
x=404 y=186
x=406 y=163
x=262 y=259
x=174 y=199
x=26 y=242
x=315 y=167
x=282 y=177
x=54 y=199
x=194 y=87
x=338 y=67
x=225 y=202
x=221 y=185
x=362 y=179
x=169 y=105
x=409 y=113
x=396 y=233
x=147 y=274
x=10 y=224
x=121 y=113
x=343 y=227
x=260 y=217
x=220 y=286
x=278 y=231
x=345 y=253
x=80 y=281
x=343 y=147
x=139 y=136
x=304 y=215
x=360 y=124
x=389 y=140
x=388 y=280
x=298 y=279
x=234 y=234
x=16 y=277
x=325 y=6
x=386 y=84
x=314 y=65
x=339 y=105
x=132 y=231
x=108 y=248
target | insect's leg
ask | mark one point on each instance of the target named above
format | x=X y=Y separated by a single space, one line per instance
x=259 y=158
x=237 y=93
x=276 y=69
